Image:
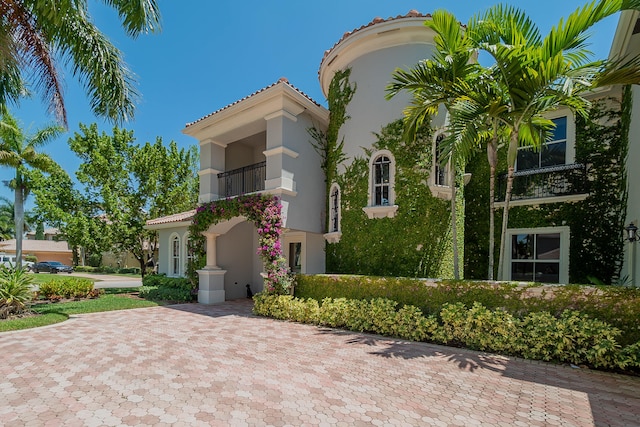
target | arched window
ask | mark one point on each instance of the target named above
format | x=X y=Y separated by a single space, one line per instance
x=174 y=256
x=334 y=208
x=382 y=167
x=188 y=252
x=440 y=172
x=381 y=184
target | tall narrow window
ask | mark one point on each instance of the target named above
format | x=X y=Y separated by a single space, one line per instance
x=295 y=257
x=334 y=209
x=175 y=256
x=440 y=171
x=551 y=153
x=381 y=183
x=381 y=203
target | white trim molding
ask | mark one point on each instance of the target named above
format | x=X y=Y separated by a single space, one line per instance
x=563 y=261
x=388 y=209
x=280 y=150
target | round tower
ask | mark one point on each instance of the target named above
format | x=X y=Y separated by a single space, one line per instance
x=373 y=52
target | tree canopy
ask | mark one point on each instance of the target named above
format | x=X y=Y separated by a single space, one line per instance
x=125 y=185
x=36 y=35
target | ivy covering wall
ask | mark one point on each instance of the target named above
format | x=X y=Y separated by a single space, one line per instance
x=596 y=223
x=417 y=241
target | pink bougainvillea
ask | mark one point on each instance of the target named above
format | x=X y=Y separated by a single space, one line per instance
x=265 y=212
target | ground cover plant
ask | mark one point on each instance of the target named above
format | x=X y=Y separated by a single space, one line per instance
x=582 y=325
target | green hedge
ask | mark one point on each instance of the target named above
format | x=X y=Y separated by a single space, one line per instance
x=106 y=270
x=159 y=287
x=617 y=306
x=69 y=287
x=572 y=337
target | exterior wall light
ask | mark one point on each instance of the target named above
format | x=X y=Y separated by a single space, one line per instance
x=632 y=232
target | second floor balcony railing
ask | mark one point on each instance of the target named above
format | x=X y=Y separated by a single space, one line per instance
x=554 y=181
x=248 y=179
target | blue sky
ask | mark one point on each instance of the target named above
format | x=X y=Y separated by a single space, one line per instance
x=212 y=53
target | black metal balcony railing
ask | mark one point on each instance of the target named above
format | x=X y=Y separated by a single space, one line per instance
x=554 y=181
x=248 y=179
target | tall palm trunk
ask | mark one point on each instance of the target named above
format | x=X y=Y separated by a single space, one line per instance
x=511 y=161
x=492 y=155
x=18 y=206
x=454 y=216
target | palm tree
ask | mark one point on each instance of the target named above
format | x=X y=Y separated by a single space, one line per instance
x=34 y=34
x=537 y=75
x=436 y=82
x=18 y=151
x=7 y=218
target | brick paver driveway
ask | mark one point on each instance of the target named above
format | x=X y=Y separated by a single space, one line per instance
x=219 y=365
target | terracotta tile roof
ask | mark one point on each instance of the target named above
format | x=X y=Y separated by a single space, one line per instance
x=281 y=80
x=377 y=20
x=36 y=246
x=179 y=217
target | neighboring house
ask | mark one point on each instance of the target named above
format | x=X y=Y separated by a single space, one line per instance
x=388 y=209
x=43 y=250
x=49 y=234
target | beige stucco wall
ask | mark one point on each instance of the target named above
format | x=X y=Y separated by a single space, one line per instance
x=633 y=180
x=164 y=256
x=369 y=110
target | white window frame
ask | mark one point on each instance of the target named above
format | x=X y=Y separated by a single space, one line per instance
x=171 y=271
x=185 y=252
x=565 y=235
x=388 y=210
x=335 y=214
x=570 y=137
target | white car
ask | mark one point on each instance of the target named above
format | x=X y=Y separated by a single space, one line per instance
x=9 y=261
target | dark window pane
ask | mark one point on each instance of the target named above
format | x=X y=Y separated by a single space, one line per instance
x=560 y=132
x=547 y=272
x=522 y=271
x=528 y=159
x=548 y=246
x=522 y=246
x=385 y=195
x=554 y=154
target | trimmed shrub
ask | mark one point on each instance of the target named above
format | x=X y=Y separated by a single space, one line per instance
x=69 y=287
x=617 y=306
x=570 y=338
x=159 y=287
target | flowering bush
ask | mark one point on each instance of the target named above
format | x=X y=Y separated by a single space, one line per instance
x=265 y=212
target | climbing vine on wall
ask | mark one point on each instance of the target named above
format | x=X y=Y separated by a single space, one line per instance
x=417 y=242
x=265 y=212
x=326 y=143
x=596 y=223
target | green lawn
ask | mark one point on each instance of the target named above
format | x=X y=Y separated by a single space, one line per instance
x=58 y=312
x=47 y=277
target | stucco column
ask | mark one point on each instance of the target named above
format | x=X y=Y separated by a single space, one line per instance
x=212 y=262
x=211 y=277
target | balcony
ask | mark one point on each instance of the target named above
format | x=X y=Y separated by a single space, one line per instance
x=248 y=179
x=546 y=185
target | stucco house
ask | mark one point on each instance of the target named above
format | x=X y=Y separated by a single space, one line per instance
x=386 y=212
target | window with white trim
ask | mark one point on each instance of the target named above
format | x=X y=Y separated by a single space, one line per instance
x=381 y=203
x=381 y=182
x=334 y=208
x=551 y=153
x=175 y=256
x=440 y=172
x=539 y=255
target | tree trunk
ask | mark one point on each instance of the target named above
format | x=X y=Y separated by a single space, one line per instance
x=493 y=160
x=511 y=161
x=18 y=206
x=143 y=266
x=454 y=217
